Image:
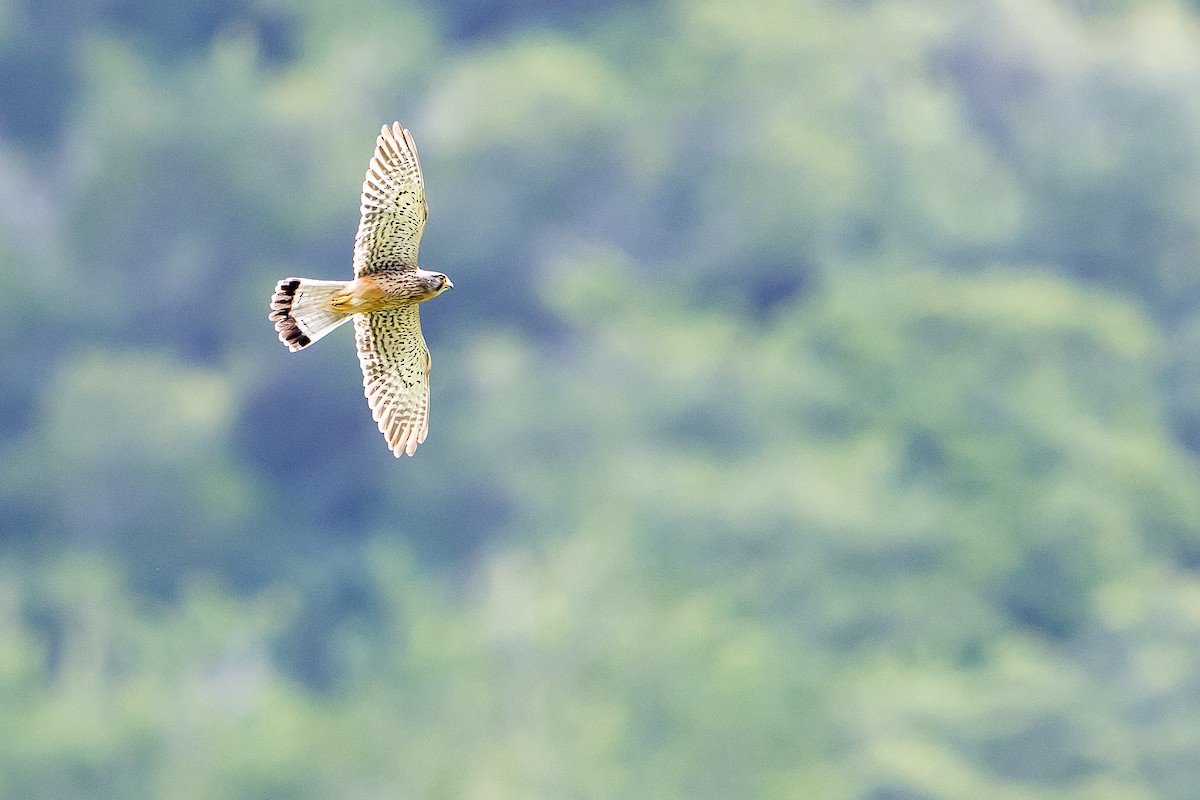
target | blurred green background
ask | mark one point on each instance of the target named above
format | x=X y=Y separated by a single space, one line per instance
x=815 y=417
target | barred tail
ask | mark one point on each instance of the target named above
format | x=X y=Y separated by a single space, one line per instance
x=301 y=311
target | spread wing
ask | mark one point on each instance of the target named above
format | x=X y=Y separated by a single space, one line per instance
x=393 y=205
x=395 y=366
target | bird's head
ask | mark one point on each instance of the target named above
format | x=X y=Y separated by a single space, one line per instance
x=434 y=282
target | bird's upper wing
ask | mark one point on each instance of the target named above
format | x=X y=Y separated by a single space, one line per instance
x=395 y=366
x=393 y=205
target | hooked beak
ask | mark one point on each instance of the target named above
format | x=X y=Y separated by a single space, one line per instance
x=449 y=284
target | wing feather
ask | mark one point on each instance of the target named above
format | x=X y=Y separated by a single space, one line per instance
x=393 y=205
x=395 y=365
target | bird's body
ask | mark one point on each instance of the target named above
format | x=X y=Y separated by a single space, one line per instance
x=383 y=297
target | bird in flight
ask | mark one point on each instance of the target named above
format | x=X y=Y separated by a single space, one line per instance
x=382 y=299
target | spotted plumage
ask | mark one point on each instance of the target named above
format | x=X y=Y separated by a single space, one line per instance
x=382 y=299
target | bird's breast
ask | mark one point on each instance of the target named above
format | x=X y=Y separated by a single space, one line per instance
x=381 y=291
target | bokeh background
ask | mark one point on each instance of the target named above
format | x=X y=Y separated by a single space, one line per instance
x=816 y=414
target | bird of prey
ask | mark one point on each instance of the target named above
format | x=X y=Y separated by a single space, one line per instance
x=382 y=299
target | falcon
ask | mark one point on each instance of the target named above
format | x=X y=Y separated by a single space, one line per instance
x=384 y=297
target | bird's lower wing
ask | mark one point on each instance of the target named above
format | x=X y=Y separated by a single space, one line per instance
x=395 y=366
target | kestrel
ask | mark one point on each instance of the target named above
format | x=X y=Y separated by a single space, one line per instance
x=382 y=299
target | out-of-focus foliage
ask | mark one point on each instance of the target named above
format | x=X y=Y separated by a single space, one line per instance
x=816 y=414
